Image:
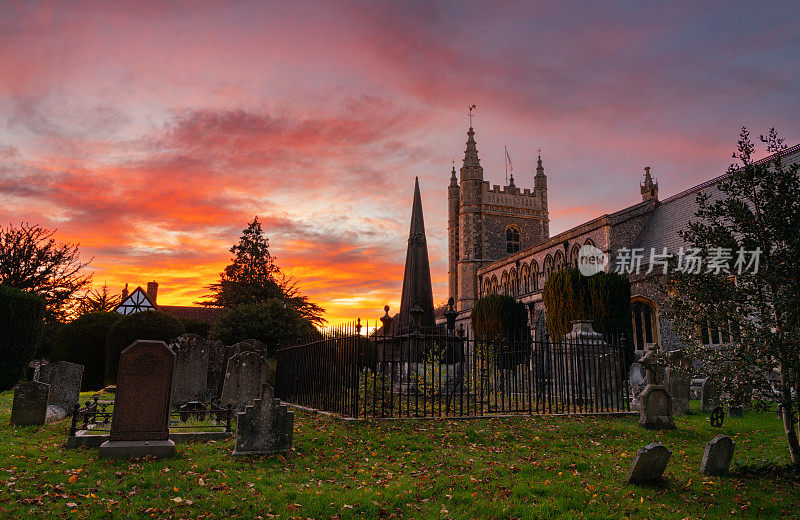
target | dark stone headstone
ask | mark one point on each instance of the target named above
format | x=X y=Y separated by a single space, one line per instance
x=709 y=395
x=191 y=369
x=245 y=374
x=649 y=464
x=718 y=455
x=265 y=427
x=678 y=386
x=656 y=408
x=30 y=403
x=64 y=379
x=217 y=356
x=140 y=425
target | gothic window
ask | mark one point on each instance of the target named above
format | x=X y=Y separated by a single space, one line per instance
x=526 y=279
x=711 y=334
x=534 y=276
x=576 y=252
x=547 y=269
x=645 y=323
x=558 y=262
x=513 y=281
x=504 y=282
x=494 y=285
x=512 y=239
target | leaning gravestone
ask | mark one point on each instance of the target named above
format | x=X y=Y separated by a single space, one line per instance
x=718 y=455
x=64 y=379
x=649 y=464
x=709 y=395
x=30 y=403
x=265 y=427
x=140 y=425
x=245 y=374
x=191 y=369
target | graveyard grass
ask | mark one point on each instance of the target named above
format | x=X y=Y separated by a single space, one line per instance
x=523 y=467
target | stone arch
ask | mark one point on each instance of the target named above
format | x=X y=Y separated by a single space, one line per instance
x=534 y=276
x=576 y=252
x=644 y=317
x=547 y=268
x=558 y=261
x=526 y=278
x=504 y=283
x=513 y=282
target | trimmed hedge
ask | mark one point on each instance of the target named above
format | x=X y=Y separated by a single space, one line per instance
x=153 y=325
x=498 y=316
x=21 y=328
x=270 y=322
x=83 y=341
x=604 y=299
x=193 y=326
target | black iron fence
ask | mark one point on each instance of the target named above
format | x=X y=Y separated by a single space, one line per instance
x=449 y=375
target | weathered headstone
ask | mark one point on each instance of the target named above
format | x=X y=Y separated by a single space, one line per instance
x=265 y=427
x=637 y=380
x=30 y=403
x=244 y=375
x=678 y=387
x=64 y=379
x=655 y=411
x=216 y=369
x=718 y=455
x=140 y=425
x=649 y=464
x=710 y=394
x=191 y=369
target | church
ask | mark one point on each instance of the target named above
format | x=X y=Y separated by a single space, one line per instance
x=499 y=243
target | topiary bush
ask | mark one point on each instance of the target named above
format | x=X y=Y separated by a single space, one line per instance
x=154 y=325
x=497 y=316
x=270 y=322
x=21 y=328
x=604 y=299
x=83 y=341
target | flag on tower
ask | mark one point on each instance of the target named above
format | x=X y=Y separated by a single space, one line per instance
x=508 y=158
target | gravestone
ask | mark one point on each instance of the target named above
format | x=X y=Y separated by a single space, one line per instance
x=649 y=464
x=637 y=380
x=718 y=455
x=216 y=369
x=191 y=369
x=709 y=395
x=265 y=427
x=30 y=403
x=64 y=379
x=244 y=375
x=655 y=411
x=140 y=425
x=678 y=387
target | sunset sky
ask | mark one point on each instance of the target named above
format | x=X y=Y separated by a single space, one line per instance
x=152 y=133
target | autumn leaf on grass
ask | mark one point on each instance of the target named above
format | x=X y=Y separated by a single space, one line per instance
x=73 y=479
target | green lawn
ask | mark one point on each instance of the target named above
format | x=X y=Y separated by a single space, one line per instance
x=526 y=467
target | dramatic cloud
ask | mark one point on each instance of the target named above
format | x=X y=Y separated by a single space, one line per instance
x=152 y=132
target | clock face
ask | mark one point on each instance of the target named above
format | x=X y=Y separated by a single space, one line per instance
x=136 y=302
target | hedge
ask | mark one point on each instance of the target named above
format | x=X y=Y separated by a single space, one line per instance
x=154 y=325
x=83 y=341
x=21 y=328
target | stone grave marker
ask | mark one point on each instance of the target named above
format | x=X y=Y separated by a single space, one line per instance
x=678 y=387
x=244 y=375
x=140 y=425
x=191 y=369
x=649 y=464
x=30 y=403
x=265 y=427
x=718 y=455
x=64 y=379
x=655 y=411
x=709 y=395
x=216 y=369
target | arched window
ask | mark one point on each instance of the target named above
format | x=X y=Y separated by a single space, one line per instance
x=512 y=239
x=504 y=283
x=645 y=323
x=589 y=242
x=558 y=262
x=534 y=276
x=526 y=279
x=547 y=268
x=494 y=285
x=513 y=282
x=576 y=252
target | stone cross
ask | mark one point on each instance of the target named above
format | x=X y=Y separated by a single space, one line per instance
x=140 y=425
x=649 y=464
x=654 y=366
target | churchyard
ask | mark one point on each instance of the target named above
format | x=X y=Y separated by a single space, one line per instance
x=520 y=467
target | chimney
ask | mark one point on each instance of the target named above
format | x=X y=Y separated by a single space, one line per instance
x=125 y=292
x=152 y=291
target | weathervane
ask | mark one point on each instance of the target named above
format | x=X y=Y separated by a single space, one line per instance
x=471 y=115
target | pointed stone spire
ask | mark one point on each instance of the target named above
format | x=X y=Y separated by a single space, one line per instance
x=453 y=179
x=540 y=180
x=511 y=183
x=649 y=189
x=416 y=303
x=472 y=168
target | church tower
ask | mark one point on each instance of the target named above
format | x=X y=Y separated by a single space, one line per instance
x=453 y=207
x=649 y=189
x=540 y=194
x=470 y=225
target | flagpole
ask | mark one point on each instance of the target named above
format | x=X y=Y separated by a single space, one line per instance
x=505 y=159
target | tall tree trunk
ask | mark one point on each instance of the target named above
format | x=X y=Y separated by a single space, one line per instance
x=789 y=416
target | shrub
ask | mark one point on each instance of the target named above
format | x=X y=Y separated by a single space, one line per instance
x=83 y=341
x=154 y=325
x=193 y=326
x=498 y=317
x=21 y=327
x=604 y=299
x=270 y=322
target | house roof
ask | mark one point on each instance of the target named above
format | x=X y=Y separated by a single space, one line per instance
x=208 y=314
x=137 y=301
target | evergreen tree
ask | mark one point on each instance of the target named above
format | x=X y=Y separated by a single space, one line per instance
x=252 y=277
x=98 y=300
x=756 y=311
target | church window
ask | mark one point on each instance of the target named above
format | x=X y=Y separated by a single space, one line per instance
x=558 y=263
x=645 y=329
x=576 y=252
x=534 y=276
x=526 y=279
x=512 y=239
